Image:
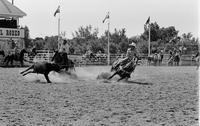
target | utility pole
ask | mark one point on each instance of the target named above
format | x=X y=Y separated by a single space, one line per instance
x=59 y=43
x=108 y=35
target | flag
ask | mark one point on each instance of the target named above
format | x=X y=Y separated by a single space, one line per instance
x=107 y=17
x=57 y=11
x=148 y=20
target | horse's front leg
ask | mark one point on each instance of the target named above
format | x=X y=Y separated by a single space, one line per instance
x=112 y=76
x=121 y=79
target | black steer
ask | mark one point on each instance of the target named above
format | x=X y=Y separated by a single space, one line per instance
x=42 y=68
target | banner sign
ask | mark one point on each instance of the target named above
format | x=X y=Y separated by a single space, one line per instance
x=11 y=33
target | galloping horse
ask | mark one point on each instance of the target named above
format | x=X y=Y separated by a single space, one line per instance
x=17 y=57
x=125 y=71
x=62 y=60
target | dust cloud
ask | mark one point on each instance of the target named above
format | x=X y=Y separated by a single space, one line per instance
x=81 y=73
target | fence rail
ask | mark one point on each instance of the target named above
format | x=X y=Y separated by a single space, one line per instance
x=101 y=59
x=46 y=55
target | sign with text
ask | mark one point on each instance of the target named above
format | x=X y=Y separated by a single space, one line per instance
x=11 y=33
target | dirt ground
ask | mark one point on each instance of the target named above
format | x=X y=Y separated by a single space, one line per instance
x=155 y=96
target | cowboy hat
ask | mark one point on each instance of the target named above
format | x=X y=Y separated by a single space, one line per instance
x=132 y=44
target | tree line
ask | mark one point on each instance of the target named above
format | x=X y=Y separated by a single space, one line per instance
x=86 y=38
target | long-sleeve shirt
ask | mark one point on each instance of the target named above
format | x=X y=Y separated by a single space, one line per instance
x=132 y=53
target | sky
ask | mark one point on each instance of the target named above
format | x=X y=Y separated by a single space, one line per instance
x=128 y=14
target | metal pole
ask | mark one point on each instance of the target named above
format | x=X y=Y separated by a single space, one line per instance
x=108 y=43
x=59 y=30
x=149 y=52
x=12 y=2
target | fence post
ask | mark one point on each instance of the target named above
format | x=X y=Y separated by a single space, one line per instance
x=48 y=56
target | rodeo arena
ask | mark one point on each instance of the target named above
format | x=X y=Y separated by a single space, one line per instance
x=56 y=88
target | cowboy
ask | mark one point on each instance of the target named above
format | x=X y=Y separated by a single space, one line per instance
x=131 y=53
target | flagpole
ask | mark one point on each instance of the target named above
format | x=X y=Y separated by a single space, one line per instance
x=108 y=43
x=59 y=31
x=149 y=52
x=108 y=40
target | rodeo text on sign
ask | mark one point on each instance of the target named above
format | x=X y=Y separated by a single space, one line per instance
x=11 y=33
